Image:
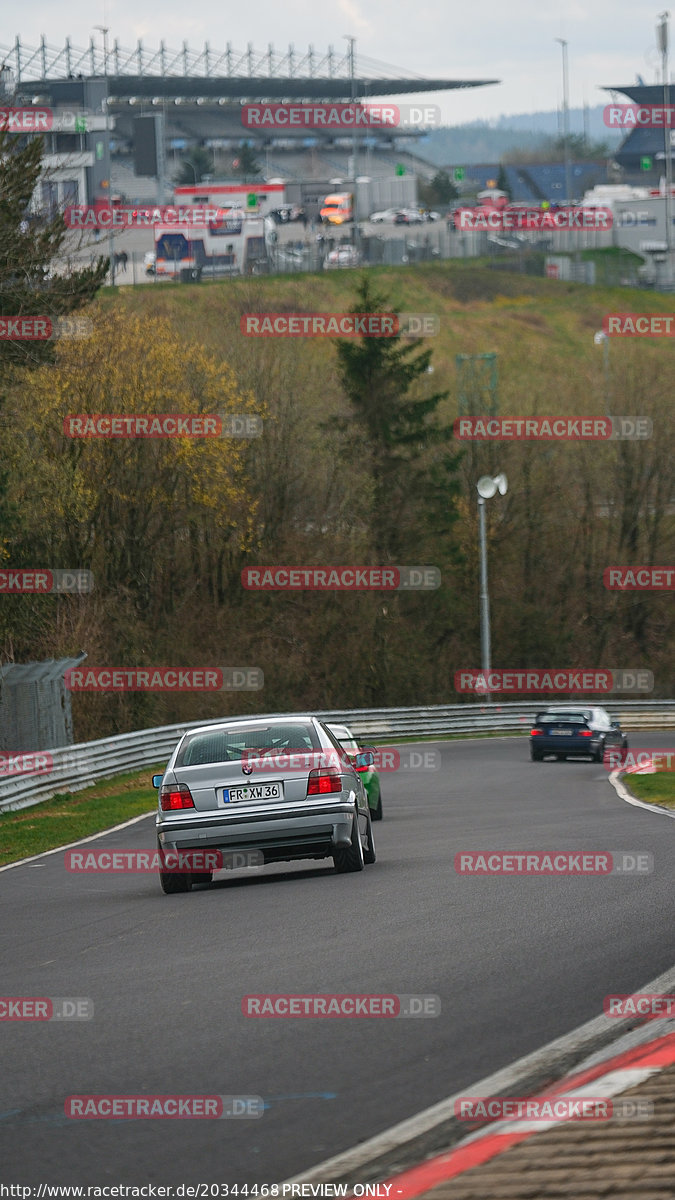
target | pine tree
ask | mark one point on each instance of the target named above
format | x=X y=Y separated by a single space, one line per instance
x=411 y=466
x=28 y=247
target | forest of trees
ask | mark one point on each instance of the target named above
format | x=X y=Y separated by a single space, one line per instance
x=356 y=465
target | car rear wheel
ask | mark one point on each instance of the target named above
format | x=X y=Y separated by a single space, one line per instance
x=599 y=753
x=172 y=882
x=202 y=877
x=376 y=813
x=369 y=855
x=561 y=757
x=351 y=858
x=536 y=756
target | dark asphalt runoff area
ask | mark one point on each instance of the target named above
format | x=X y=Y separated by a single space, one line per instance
x=516 y=961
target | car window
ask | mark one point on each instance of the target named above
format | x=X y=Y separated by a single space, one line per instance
x=226 y=745
x=339 y=746
x=344 y=737
x=565 y=718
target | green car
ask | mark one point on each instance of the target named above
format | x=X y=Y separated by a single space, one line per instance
x=371 y=779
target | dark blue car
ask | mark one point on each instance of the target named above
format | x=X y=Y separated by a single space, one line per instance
x=567 y=731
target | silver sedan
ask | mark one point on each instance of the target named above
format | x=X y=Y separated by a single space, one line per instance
x=276 y=788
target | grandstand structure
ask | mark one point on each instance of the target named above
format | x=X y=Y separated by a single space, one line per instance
x=532 y=183
x=641 y=144
x=200 y=94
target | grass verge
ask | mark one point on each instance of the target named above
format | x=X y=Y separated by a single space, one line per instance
x=69 y=817
x=653 y=789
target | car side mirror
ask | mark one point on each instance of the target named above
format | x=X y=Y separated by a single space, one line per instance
x=616 y=725
x=157 y=780
x=364 y=758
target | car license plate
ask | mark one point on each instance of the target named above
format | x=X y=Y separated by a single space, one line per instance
x=253 y=791
x=562 y=732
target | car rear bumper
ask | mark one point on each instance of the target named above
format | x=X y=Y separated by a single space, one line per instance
x=314 y=831
x=565 y=745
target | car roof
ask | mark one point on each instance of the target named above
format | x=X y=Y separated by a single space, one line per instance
x=247 y=722
x=568 y=708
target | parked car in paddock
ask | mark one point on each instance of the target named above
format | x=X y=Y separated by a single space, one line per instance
x=408 y=216
x=343 y=256
x=279 y=786
x=567 y=731
x=370 y=777
x=385 y=215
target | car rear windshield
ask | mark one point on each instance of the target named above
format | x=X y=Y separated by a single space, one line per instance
x=562 y=718
x=226 y=745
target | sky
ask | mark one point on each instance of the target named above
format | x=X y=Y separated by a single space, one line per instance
x=609 y=41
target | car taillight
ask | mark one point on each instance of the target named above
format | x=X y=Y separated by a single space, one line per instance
x=585 y=733
x=175 y=796
x=534 y=732
x=323 y=780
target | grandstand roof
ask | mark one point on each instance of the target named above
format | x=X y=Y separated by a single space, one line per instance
x=642 y=142
x=214 y=74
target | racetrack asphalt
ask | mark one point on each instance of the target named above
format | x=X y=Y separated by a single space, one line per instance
x=516 y=961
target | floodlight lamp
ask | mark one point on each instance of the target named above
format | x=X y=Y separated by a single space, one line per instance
x=486 y=487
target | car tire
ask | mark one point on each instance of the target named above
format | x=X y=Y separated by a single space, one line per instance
x=561 y=758
x=376 y=813
x=535 y=757
x=624 y=744
x=351 y=858
x=202 y=877
x=599 y=755
x=173 y=882
x=369 y=855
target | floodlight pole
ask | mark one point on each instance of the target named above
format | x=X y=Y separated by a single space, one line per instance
x=566 y=121
x=662 y=33
x=111 y=241
x=484 y=598
x=352 y=77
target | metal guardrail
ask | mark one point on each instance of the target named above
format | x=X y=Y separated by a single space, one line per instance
x=72 y=768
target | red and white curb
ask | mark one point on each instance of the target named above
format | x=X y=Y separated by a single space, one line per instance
x=615 y=1075
x=621 y=790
